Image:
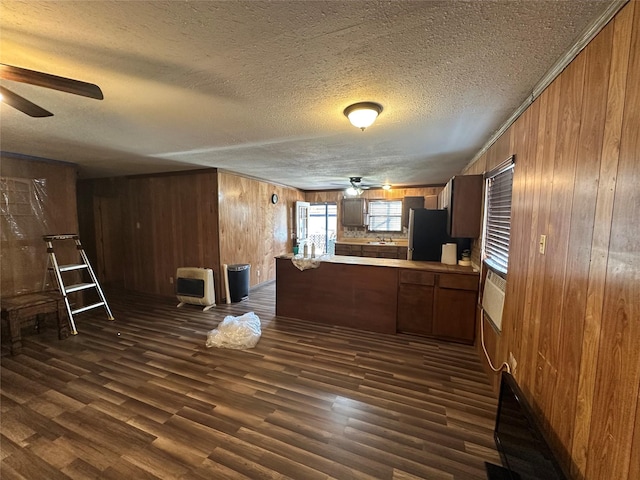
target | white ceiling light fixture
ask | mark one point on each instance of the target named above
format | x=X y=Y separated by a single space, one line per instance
x=386 y=186
x=363 y=114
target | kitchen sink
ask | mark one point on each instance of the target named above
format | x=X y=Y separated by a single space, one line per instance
x=382 y=243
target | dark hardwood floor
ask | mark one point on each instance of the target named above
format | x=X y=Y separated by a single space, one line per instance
x=143 y=398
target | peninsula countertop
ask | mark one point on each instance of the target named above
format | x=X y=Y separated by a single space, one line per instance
x=382 y=295
x=436 y=267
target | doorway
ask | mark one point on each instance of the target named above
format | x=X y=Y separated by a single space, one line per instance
x=323 y=227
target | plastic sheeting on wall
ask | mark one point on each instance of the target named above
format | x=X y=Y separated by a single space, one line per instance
x=36 y=198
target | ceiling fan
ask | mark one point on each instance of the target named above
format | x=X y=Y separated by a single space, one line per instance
x=63 y=84
x=356 y=187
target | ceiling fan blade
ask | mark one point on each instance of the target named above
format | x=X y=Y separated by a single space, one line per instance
x=25 y=106
x=54 y=82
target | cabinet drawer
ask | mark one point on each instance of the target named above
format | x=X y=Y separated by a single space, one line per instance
x=417 y=277
x=458 y=282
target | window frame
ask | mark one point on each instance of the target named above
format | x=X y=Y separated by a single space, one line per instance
x=496 y=229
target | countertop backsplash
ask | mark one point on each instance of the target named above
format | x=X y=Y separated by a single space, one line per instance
x=358 y=232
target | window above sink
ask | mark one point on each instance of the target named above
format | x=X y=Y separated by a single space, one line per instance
x=385 y=216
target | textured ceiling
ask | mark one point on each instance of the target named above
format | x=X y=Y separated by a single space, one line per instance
x=259 y=87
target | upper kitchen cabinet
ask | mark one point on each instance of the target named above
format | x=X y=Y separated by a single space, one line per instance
x=462 y=198
x=407 y=204
x=354 y=212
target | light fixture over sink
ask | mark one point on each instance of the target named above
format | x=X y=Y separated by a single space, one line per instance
x=363 y=114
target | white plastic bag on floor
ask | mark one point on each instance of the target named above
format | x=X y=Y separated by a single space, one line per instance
x=236 y=332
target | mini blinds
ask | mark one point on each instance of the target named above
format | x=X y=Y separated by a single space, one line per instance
x=497 y=228
x=385 y=215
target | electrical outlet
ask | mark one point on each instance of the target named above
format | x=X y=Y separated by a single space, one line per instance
x=171 y=280
x=513 y=364
x=543 y=243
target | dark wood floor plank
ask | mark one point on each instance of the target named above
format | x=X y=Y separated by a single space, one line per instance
x=309 y=401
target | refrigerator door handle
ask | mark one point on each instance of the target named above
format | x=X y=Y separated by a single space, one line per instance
x=411 y=231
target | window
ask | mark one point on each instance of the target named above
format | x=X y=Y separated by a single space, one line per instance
x=385 y=216
x=497 y=216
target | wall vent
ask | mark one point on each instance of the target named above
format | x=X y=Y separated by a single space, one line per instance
x=493 y=298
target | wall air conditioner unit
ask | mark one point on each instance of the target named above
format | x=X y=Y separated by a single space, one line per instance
x=195 y=286
x=493 y=298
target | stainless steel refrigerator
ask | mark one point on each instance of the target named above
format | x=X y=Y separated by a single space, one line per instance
x=427 y=233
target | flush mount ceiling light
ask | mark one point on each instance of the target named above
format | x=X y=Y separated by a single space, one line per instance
x=363 y=114
x=386 y=186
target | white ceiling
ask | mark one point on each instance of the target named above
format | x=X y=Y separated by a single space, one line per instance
x=259 y=87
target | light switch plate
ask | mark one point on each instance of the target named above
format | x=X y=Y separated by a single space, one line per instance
x=543 y=244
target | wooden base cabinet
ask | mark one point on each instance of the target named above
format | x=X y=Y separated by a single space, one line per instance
x=373 y=251
x=348 y=249
x=415 y=301
x=438 y=305
x=454 y=307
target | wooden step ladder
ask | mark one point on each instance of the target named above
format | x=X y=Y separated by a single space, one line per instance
x=58 y=270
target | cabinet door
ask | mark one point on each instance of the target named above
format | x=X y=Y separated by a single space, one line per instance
x=349 y=250
x=465 y=206
x=388 y=252
x=369 y=251
x=454 y=312
x=342 y=249
x=415 y=301
x=354 y=212
x=415 y=308
x=407 y=204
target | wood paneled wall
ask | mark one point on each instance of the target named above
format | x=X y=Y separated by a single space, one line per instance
x=572 y=315
x=145 y=227
x=252 y=229
x=139 y=230
x=101 y=215
x=50 y=208
x=336 y=196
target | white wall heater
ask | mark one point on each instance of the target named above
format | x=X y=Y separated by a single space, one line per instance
x=195 y=286
x=493 y=298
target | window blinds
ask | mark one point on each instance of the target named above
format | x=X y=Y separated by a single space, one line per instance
x=498 y=216
x=385 y=215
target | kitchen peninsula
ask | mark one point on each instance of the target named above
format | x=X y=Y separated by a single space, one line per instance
x=381 y=295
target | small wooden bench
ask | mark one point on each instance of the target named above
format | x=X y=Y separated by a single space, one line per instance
x=19 y=308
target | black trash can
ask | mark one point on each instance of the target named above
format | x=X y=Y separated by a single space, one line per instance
x=239 y=281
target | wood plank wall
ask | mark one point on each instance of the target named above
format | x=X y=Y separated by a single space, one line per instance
x=138 y=230
x=252 y=229
x=145 y=227
x=52 y=209
x=336 y=196
x=102 y=231
x=572 y=315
